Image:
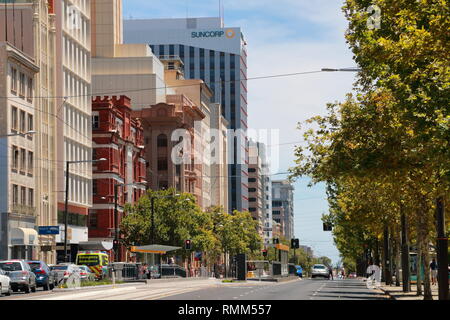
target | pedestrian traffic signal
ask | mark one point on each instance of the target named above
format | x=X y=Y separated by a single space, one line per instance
x=276 y=241
x=115 y=243
x=264 y=253
x=327 y=227
x=188 y=244
x=295 y=244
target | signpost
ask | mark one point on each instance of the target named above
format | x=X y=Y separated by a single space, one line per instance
x=50 y=230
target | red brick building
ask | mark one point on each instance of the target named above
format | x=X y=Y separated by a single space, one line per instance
x=119 y=138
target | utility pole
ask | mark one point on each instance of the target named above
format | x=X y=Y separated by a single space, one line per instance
x=387 y=264
x=116 y=222
x=152 y=232
x=442 y=248
x=66 y=216
x=405 y=253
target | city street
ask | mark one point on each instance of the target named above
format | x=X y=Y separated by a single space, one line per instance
x=212 y=289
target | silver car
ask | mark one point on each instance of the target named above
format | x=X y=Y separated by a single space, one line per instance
x=320 y=270
x=19 y=271
x=64 y=271
x=86 y=273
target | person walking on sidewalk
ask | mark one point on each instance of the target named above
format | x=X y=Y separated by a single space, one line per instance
x=330 y=273
x=433 y=269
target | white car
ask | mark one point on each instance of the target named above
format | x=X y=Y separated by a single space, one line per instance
x=5 y=284
x=320 y=270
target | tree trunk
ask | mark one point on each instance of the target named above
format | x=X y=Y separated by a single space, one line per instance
x=428 y=295
x=419 y=267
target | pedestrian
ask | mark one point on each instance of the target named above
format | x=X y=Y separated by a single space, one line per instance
x=343 y=273
x=330 y=273
x=433 y=268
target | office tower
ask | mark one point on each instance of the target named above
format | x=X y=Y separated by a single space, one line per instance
x=283 y=206
x=74 y=132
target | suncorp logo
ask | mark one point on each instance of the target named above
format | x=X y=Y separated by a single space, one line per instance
x=214 y=34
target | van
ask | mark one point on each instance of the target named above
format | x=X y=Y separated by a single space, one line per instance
x=97 y=261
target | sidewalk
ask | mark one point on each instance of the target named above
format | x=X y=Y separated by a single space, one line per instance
x=396 y=293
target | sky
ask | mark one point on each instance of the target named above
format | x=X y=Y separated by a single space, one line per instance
x=283 y=36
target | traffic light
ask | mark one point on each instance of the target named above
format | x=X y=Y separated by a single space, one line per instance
x=264 y=253
x=276 y=241
x=295 y=244
x=115 y=244
x=327 y=227
x=188 y=244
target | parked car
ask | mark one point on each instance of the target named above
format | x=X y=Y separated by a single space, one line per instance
x=86 y=273
x=22 y=278
x=320 y=270
x=64 y=271
x=5 y=284
x=299 y=271
x=45 y=277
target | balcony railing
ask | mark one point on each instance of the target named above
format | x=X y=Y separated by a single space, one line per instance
x=23 y=209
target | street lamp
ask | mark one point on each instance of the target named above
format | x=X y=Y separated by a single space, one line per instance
x=341 y=70
x=29 y=133
x=66 y=215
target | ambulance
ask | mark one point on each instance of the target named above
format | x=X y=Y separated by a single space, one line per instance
x=97 y=261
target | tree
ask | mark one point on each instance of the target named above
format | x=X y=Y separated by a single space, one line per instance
x=177 y=218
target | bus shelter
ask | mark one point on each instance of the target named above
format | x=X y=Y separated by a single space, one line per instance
x=152 y=253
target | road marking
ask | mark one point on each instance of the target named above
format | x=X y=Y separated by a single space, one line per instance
x=88 y=294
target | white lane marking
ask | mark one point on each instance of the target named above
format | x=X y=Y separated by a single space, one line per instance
x=89 y=294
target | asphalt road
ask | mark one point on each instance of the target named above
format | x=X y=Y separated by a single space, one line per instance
x=308 y=289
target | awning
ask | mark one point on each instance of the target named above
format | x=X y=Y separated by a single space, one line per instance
x=24 y=237
x=154 y=248
x=96 y=245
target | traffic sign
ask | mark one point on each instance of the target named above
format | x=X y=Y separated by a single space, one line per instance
x=50 y=230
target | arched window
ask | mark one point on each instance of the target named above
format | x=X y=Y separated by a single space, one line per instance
x=162 y=140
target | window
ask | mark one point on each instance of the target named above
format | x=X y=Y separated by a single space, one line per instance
x=252 y=190
x=251 y=170
x=23 y=160
x=94 y=187
x=30 y=122
x=93 y=222
x=31 y=197
x=14 y=80
x=162 y=140
x=252 y=200
x=162 y=165
x=15 y=162
x=22 y=85
x=23 y=195
x=252 y=180
x=30 y=162
x=14 y=119
x=30 y=89
x=95 y=121
x=276 y=212
x=22 y=121
x=15 y=194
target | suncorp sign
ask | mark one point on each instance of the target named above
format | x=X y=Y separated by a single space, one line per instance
x=230 y=33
